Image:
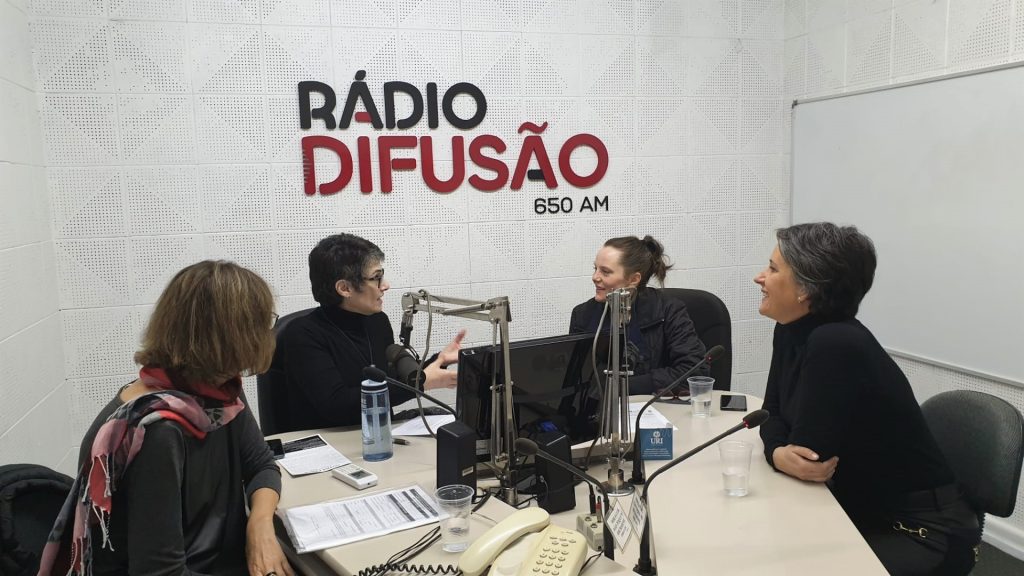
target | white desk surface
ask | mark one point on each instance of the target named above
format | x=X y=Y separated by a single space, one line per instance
x=783 y=526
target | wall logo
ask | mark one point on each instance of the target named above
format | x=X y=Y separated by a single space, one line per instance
x=485 y=151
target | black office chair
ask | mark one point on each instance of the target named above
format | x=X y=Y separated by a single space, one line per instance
x=31 y=496
x=982 y=438
x=271 y=388
x=714 y=326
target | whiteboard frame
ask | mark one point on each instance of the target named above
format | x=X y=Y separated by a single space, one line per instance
x=792 y=136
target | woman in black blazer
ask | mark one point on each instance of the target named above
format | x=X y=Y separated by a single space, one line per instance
x=662 y=343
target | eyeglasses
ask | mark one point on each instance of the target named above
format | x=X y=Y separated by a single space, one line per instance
x=378 y=278
x=276 y=317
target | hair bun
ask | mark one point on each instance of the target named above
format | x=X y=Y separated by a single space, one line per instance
x=655 y=247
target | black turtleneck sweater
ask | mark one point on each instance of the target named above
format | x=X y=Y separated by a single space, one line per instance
x=322 y=356
x=834 y=389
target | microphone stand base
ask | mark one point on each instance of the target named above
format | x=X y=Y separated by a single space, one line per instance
x=620 y=488
x=616 y=484
x=645 y=570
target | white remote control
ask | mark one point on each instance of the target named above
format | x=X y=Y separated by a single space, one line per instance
x=355 y=476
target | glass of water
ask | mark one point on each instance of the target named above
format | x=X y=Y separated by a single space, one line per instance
x=735 y=456
x=700 y=395
x=456 y=501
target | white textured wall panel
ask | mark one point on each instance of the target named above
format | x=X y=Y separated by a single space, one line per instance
x=19 y=124
x=79 y=130
x=34 y=407
x=154 y=260
x=72 y=55
x=162 y=200
x=295 y=12
x=919 y=38
x=234 y=197
x=493 y=15
x=980 y=32
x=28 y=295
x=41 y=435
x=93 y=272
x=28 y=369
x=170 y=10
x=224 y=11
x=25 y=218
x=15 y=46
x=226 y=59
x=150 y=57
x=292 y=55
x=868 y=49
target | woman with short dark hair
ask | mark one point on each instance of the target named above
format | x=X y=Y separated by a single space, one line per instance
x=662 y=342
x=322 y=354
x=169 y=465
x=842 y=412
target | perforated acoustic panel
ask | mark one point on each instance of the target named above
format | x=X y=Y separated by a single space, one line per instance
x=171 y=134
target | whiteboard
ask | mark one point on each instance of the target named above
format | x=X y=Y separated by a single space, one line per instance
x=934 y=174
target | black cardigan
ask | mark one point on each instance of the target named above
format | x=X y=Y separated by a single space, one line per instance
x=669 y=345
x=180 y=507
x=834 y=389
x=322 y=356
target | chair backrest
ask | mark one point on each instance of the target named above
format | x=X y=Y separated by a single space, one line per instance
x=272 y=388
x=31 y=496
x=714 y=326
x=982 y=437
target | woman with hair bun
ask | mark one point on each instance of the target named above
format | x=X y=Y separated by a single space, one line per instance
x=661 y=341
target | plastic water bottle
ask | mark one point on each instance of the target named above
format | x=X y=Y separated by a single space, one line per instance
x=376 y=421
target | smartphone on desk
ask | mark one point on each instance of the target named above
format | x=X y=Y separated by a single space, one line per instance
x=276 y=447
x=733 y=402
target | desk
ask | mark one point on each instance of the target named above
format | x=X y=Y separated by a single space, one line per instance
x=782 y=527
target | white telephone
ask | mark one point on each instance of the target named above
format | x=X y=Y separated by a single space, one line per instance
x=555 y=550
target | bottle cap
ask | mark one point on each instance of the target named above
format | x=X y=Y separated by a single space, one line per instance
x=373 y=386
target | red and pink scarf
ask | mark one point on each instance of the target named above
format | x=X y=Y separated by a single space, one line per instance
x=203 y=409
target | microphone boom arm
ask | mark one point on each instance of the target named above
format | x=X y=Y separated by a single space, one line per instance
x=494 y=311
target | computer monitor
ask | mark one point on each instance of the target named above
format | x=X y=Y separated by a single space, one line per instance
x=553 y=387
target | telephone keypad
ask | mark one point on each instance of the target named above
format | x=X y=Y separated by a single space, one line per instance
x=560 y=552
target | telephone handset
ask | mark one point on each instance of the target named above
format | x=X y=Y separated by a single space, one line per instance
x=553 y=546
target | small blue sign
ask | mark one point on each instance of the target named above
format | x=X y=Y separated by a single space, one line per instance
x=656 y=443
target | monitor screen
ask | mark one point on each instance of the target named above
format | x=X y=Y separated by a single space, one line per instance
x=553 y=387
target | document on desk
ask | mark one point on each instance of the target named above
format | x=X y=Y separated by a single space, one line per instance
x=651 y=418
x=320 y=526
x=310 y=455
x=415 y=427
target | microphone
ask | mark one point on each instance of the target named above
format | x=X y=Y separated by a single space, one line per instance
x=529 y=448
x=711 y=356
x=644 y=565
x=378 y=375
x=405 y=365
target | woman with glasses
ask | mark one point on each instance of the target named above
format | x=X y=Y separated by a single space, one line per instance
x=322 y=355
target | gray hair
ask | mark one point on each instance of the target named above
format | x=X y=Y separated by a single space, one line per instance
x=834 y=265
